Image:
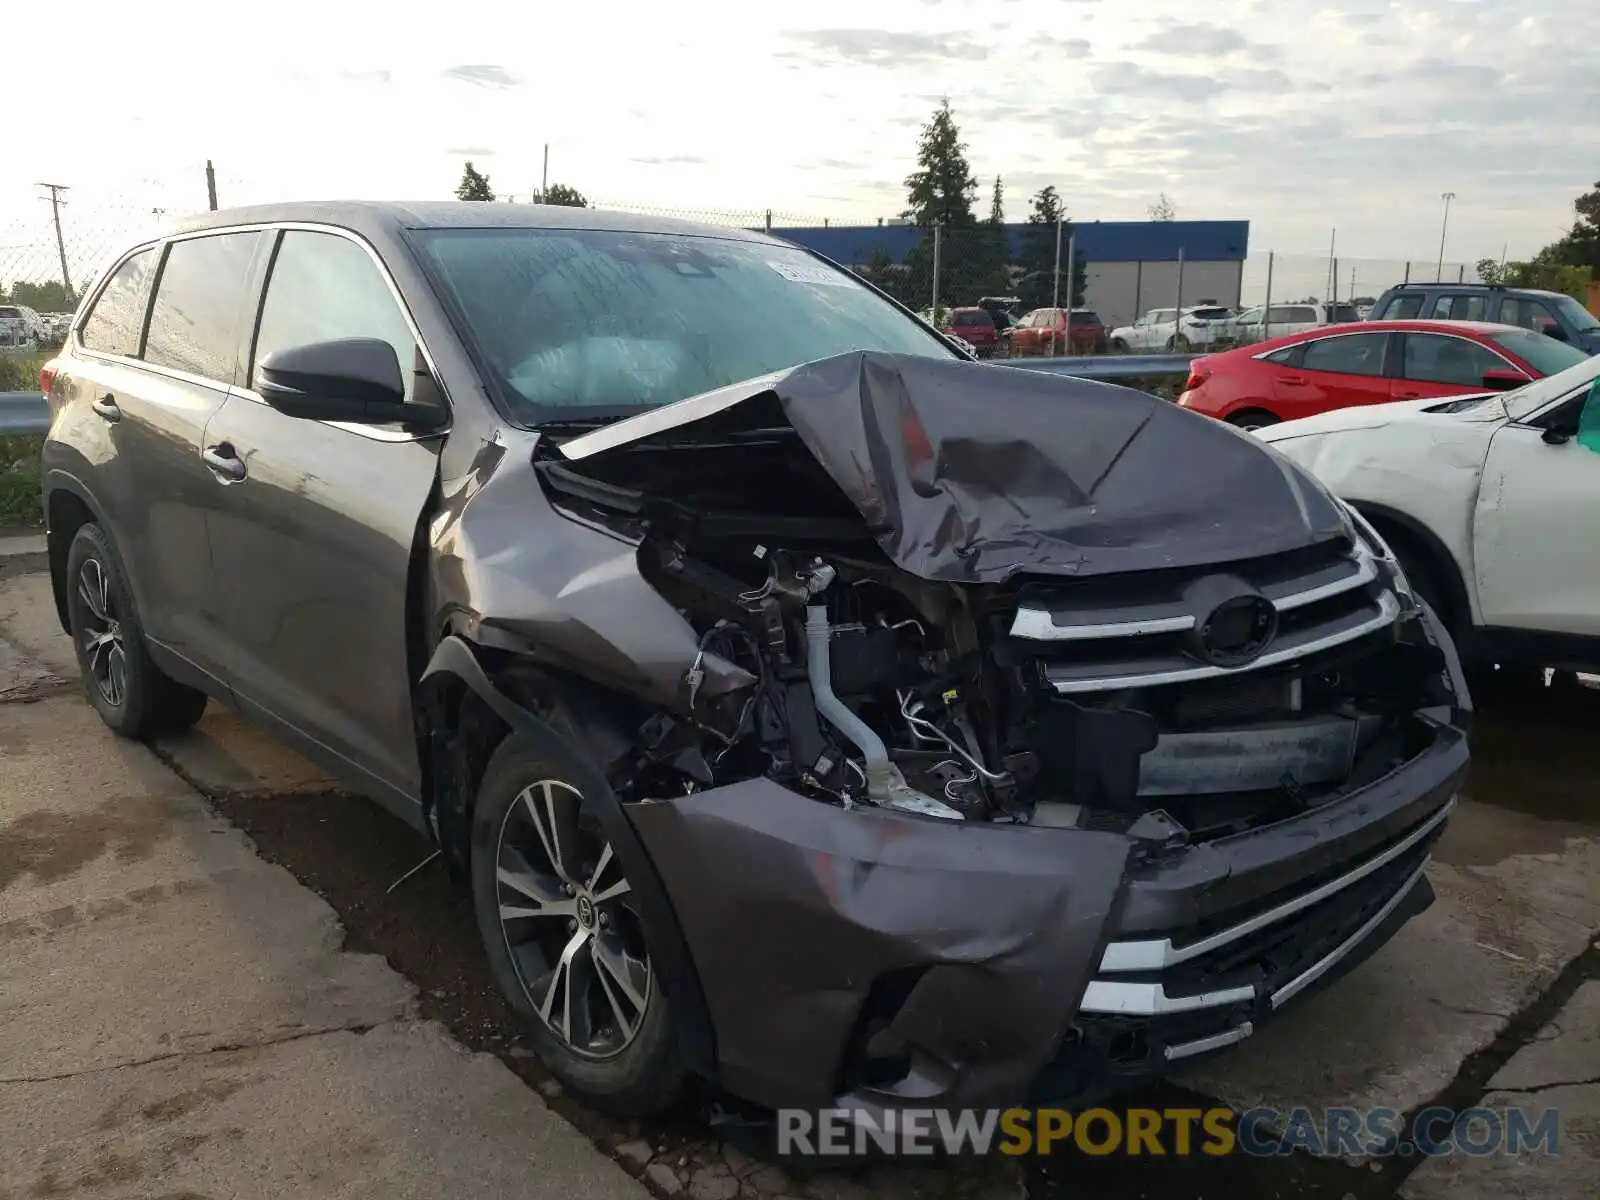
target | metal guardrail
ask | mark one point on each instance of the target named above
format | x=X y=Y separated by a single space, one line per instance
x=1106 y=366
x=23 y=413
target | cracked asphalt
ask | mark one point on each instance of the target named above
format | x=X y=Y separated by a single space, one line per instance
x=215 y=982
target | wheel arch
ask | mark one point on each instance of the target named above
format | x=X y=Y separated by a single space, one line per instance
x=1396 y=526
x=470 y=698
x=68 y=507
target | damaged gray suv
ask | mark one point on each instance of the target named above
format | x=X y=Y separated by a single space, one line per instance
x=810 y=710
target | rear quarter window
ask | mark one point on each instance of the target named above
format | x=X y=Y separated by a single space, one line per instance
x=117 y=318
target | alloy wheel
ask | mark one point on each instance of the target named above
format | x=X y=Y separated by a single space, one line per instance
x=565 y=911
x=104 y=648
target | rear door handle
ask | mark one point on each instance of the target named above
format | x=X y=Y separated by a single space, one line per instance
x=227 y=466
x=106 y=406
x=1292 y=381
x=1408 y=395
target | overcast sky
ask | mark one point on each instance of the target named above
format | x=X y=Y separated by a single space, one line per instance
x=1298 y=115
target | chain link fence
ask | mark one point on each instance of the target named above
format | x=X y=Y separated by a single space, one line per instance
x=46 y=262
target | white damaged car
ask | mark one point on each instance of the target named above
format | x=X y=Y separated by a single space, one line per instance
x=1489 y=501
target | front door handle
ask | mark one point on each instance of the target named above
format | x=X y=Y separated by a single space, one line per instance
x=1292 y=381
x=1408 y=395
x=106 y=406
x=227 y=466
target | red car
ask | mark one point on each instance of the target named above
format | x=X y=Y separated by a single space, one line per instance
x=1365 y=362
x=1045 y=328
x=976 y=327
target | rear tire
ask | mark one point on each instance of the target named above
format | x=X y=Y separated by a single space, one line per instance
x=562 y=933
x=1182 y=344
x=1252 y=418
x=132 y=695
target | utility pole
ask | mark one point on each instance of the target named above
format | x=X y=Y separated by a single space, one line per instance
x=211 y=185
x=1072 y=275
x=61 y=246
x=1055 y=286
x=544 y=180
x=1443 y=226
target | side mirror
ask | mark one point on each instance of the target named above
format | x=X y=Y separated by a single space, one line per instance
x=352 y=379
x=1503 y=381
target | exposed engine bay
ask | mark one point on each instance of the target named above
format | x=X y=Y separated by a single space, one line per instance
x=826 y=666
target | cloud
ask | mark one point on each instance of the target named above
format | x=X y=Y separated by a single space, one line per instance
x=1197 y=40
x=488 y=75
x=670 y=160
x=886 y=47
x=1048 y=46
x=472 y=151
x=366 y=76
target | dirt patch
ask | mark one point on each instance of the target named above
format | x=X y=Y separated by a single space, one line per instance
x=51 y=845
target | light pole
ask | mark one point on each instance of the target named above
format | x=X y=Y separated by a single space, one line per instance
x=1443 y=227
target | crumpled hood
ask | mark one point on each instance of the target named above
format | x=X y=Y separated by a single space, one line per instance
x=967 y=472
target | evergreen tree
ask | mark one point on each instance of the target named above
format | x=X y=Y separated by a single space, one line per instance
x=473 y=186
x=940 y=193
x=1038 y=258
x=560 y=193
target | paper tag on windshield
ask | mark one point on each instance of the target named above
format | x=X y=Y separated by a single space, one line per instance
x=826 y=276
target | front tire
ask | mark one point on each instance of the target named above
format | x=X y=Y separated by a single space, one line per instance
x=563 y=933
x=132 y=695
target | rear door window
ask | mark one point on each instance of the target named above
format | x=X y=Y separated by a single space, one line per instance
x=117 y=318
x=1434 y=358
x=1404 y=307
x=1458 y=306
x=195 y=319
x=324 y=287
x=1352 y=354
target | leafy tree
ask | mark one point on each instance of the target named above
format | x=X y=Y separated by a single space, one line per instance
x=1163 y=209
x=41 y=297
x=1038 y=255
x=1581 y=246
x=560 y=193
x=473 y=185
x=885 y=274
x=1545 y=270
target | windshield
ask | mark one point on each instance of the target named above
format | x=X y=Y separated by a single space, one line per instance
x=596 y=323
x=1577 y=314
x=1544 y=354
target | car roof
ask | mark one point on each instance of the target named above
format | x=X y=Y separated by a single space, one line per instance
x=1482 y=287
x=1474 y=330
x=1424 y=325
x=391 y=217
